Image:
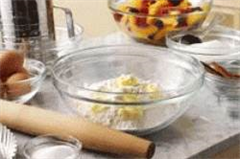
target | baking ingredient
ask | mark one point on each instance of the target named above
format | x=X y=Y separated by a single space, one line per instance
x=15 y=87
x=53 y=152
x=223 y=72
x=10 y=62
x=128 y=89
x=151 y=19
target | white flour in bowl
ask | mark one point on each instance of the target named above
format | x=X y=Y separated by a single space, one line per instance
x=127 y=117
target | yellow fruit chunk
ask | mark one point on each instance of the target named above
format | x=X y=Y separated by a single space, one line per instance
x=160 y=34
x=138 y=4
x=96 y=108
x=170 y=21
x=185 y=4
x=195 y=18
x=123 y=8
x=174 y=13
x=130 y=113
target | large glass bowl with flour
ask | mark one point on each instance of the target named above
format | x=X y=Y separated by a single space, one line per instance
x=132 y=88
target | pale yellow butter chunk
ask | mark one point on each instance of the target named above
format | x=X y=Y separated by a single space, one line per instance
x=96 y=108
x=130 y=98
x=130 y=113
x=127 y=80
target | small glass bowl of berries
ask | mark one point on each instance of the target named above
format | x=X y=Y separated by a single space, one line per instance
x=149 y=21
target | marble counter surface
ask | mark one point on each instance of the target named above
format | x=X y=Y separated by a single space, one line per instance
x=204 y=130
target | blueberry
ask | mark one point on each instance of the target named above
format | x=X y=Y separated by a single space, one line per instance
x=190 y=39
x=196 y=9
x=133 y=10
x=175 y=2
x=159 y=24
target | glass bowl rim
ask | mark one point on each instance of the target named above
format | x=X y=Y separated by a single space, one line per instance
x=192 y=87
x=35 y=78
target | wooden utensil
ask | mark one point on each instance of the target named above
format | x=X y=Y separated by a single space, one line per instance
x=219 y=70
x=38 y=121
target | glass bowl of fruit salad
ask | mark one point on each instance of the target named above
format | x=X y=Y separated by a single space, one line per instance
x=136 y=89
x=150 y=20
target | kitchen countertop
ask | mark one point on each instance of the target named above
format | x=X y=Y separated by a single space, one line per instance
x=206 y=129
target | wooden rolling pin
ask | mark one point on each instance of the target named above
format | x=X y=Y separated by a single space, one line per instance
x=36 y=121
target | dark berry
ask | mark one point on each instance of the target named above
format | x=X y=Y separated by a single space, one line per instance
x=190 y=39
x=159 y=24
x=133 y=10
x=152 y=2
x=175 y=2
x=151 y=36
x=196 y=9
x=182 y=21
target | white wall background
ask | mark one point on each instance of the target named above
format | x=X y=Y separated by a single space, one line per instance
x=93 y=15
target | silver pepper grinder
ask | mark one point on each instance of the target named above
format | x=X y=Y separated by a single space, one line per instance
x=31 y=22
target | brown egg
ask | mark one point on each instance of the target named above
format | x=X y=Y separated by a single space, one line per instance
x=4 y=79
x=17 y=88
x=2 y=90
x=10 y=62
x=23 y=70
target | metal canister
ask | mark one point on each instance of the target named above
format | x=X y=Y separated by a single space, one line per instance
x=31 y=22
x=26 y=18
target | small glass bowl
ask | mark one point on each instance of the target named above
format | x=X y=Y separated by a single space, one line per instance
x=52 y=147
x=226 y=90
x=149 y=21
x=230 y=49
x=225 y=87
x=157 y=65
x=24 y=90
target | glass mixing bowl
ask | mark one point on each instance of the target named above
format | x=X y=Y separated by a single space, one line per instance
x=150 y=20
x=179 y=78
